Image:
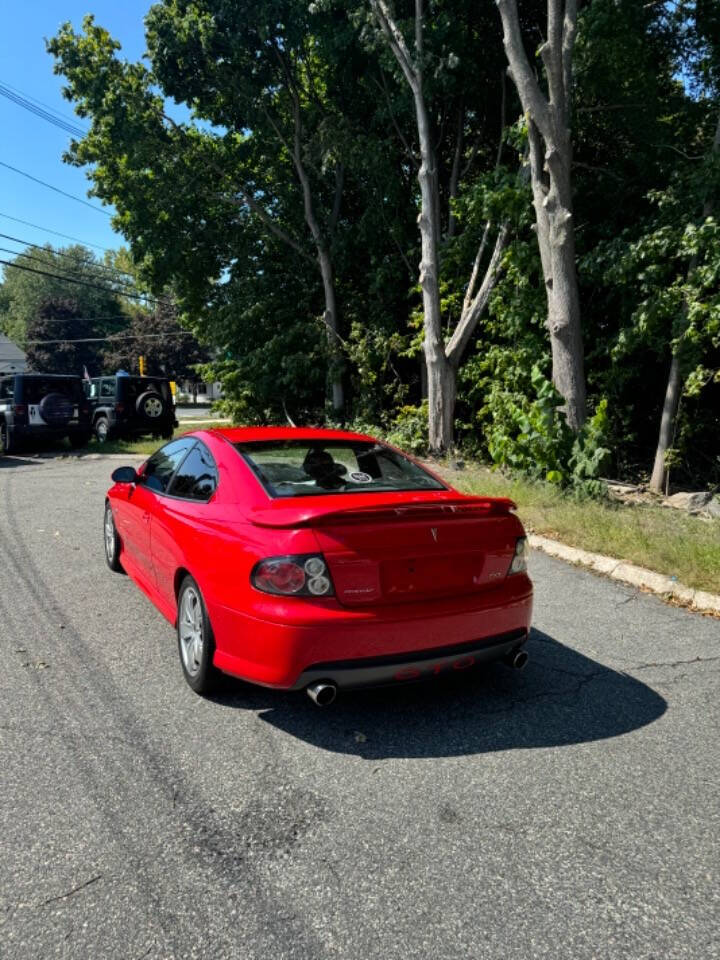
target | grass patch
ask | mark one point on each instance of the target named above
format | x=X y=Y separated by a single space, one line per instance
x=667 y=541
x=140 y=447
x=145 y=445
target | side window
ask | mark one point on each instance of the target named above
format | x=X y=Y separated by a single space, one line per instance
x=6 y=388
x=197 y=477
x=161 y=465
x=107 y=389
x=91 y=388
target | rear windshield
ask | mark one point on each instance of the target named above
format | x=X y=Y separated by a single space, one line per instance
x=305 y=468
x=35 y=388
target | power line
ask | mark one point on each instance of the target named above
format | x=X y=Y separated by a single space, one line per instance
x=64 y=125
x=108 y=339
x=29 y=256
x=28 y=96
x=92 y=264
x=56 y=189
x=6 y=216
x=84 y=283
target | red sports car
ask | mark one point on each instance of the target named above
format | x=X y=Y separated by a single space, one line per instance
x=318 y=559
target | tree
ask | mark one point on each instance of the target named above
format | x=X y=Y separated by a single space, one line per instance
x=169 y=349
x=42 y=275
x=61 y=340
x=267 y=142
x=548 y=120
x=442 y=360
x=704 y=44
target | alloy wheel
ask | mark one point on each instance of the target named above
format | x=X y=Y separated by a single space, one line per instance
x=190 y=631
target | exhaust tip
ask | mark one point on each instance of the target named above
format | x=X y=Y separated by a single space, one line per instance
x=322 y=693
x=516 y=659
x=520 y=659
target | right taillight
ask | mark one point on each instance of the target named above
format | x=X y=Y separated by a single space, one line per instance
x=298 y=575
x=518 y=563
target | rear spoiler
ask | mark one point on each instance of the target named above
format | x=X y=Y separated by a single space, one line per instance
x=460 y=508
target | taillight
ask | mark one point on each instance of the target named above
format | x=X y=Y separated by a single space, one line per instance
x=299 y=575
x=520 y=558
x=119 y=408
x=20 y=409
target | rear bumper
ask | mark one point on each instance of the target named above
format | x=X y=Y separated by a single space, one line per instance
x=355 y=648
x=419 y=666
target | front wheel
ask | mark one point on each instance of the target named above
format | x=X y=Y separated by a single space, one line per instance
x=101 y=429
x=196 y=644
x=112 y=541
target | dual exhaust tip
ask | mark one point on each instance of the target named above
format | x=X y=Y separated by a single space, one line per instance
x=324 y=692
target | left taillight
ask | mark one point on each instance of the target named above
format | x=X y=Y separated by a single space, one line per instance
x=297 y=575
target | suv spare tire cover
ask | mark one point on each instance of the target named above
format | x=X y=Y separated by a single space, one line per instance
x=150 y=404
x=56 y=409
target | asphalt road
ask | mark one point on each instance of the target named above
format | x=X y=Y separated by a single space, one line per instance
x=569 y=811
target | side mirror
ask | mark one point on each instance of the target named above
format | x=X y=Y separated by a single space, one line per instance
x=124 y=475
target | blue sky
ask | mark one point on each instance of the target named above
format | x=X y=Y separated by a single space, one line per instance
x=36 y=146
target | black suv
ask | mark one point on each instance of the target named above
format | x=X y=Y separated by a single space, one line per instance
x=125 y=406
x=42 y=406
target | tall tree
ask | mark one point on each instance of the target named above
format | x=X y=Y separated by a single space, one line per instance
x=265 y=149
x=442 y=360
x=701 y=22
x=548 y=121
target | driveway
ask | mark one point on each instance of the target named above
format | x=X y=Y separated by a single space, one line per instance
x=568 y=811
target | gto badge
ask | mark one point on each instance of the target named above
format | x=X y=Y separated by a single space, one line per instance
x=433 y=531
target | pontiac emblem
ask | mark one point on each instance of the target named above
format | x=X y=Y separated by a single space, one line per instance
x=433 y=531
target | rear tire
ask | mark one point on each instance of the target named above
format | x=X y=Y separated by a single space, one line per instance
x=6 y=445
x=112 y=540
x=196 y=644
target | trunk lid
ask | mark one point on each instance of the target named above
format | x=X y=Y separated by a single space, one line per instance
x=392 y=550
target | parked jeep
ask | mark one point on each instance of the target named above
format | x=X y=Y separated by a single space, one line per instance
x=44 y=407
x=125 y=406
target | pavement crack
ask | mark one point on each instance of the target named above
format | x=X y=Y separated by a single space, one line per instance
x=676 y=663
x=70 y=893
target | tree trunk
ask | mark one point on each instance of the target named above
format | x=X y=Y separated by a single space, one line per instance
x=564 y=314
x=673 y=390
x=330 y=319
x=442 y=386
x=667 y=425
x=440 y=420
x=326 y=271
x=550 y=161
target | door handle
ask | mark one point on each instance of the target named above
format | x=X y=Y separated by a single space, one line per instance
x=146 y=517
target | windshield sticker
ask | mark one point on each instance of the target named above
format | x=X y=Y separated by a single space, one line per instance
x=359 y=477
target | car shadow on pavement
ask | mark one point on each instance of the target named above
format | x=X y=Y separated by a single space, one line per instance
x=17 y=460
x=561 y=698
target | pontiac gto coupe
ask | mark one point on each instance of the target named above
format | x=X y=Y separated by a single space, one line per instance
x=319 y=560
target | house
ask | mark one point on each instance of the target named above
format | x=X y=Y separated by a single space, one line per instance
x=12 y=358
x=189 y=391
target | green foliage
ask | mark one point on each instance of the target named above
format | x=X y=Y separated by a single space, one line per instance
x=529 y=435
x=211 y=204
x=409 y=429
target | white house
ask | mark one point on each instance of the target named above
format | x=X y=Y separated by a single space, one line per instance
x=12 y=358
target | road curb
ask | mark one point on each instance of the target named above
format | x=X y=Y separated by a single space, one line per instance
x=657 y=583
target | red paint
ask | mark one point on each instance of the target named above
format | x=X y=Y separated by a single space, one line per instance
x=398 y=588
